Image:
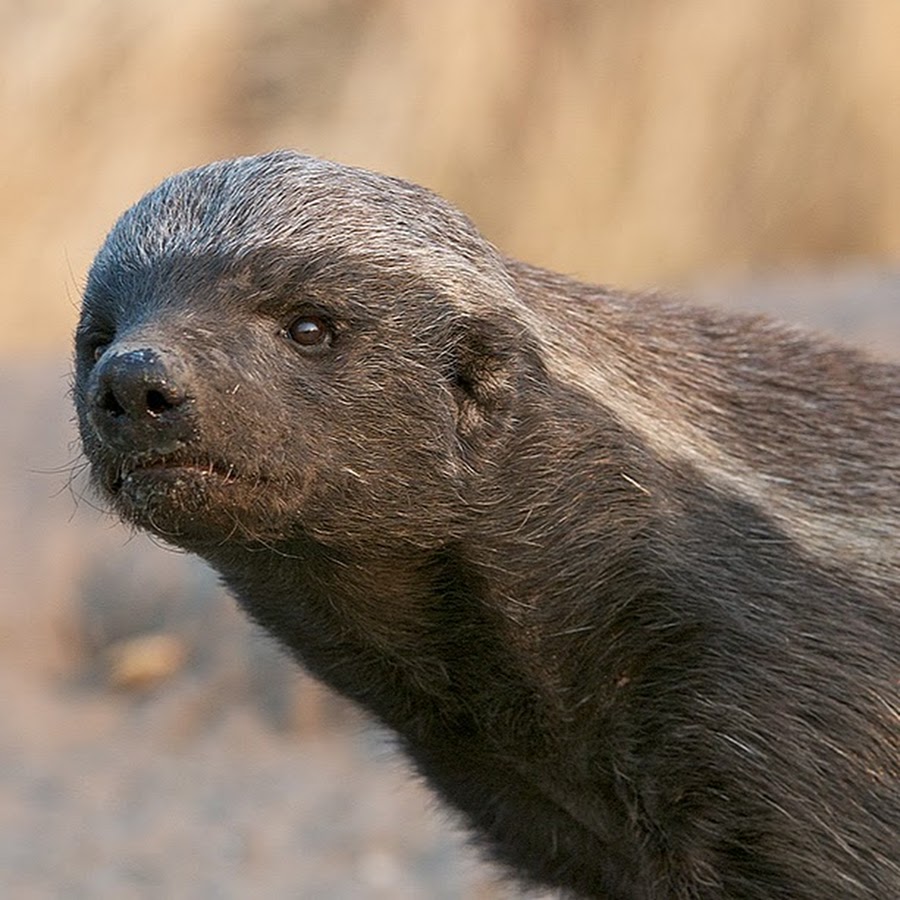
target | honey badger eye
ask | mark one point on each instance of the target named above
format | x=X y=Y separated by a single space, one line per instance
x=92 y=348
x=310 y=331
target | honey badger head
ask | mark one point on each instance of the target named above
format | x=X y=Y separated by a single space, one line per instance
x=280 y=344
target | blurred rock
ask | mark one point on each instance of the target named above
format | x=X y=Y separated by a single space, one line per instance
x=141 y=663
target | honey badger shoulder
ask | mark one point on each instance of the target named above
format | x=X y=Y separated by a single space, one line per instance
x=622 y=575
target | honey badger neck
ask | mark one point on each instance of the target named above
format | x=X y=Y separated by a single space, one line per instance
x=397 y=635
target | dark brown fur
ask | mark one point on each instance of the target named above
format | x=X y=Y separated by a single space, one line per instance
x=623 y=575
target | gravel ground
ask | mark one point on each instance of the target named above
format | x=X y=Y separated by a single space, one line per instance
x=202 y=764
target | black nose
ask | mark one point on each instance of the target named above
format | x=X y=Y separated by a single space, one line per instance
x=139 y=401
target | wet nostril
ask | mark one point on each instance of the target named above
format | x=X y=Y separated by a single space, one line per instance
x=157 y=403
x=153 y=402
x=110 y=404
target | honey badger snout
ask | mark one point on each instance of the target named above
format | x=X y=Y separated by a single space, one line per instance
x=140 y=400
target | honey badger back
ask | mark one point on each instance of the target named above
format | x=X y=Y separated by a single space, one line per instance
x=622 y=575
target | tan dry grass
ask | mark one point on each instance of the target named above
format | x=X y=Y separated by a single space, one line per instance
x=636 y=142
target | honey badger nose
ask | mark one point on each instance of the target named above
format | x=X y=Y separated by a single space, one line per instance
x=139 y=401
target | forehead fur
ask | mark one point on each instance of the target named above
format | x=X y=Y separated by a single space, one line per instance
x=305 y=207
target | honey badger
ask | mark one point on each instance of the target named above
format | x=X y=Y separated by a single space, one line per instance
x=623 y=575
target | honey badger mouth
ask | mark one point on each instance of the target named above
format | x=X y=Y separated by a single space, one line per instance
x=165 y=470
x=187 y=499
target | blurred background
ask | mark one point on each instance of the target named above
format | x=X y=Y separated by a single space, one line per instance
x=151 y=743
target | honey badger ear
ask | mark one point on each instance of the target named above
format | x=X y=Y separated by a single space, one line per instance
x=487 y=366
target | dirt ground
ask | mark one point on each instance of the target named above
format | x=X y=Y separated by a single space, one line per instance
x=152 y=744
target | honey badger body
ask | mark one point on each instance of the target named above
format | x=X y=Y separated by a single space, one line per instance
x=623 y=575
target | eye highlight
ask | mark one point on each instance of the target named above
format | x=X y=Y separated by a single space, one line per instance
x=310 y=331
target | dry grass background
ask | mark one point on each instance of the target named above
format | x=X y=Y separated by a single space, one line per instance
x=150 y=744
x=631 y=141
